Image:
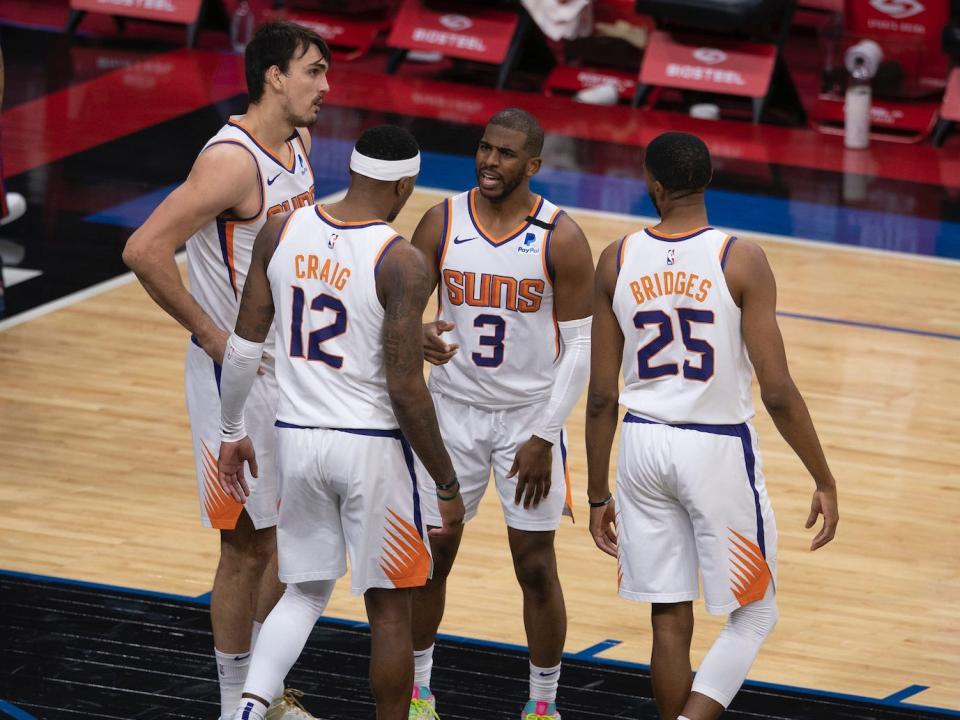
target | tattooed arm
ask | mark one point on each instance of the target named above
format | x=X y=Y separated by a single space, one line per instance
x=241 y=360
x=403 y=286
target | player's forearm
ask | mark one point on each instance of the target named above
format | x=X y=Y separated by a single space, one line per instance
x=160 y=277
x=573 y=371
x=417 y=419
x=792 y=418
x=601 y=426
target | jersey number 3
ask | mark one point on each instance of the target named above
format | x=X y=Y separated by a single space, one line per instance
x=316 y=338
x=695 y=345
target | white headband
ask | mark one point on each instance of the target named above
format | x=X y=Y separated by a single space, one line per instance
x=384 y=169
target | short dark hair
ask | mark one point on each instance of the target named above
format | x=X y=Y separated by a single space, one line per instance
x=277 y=43
x=388 y=142
x=522 y=121
x=679 y=161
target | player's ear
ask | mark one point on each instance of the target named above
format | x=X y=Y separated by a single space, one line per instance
x=404 y=186
x=533 y=166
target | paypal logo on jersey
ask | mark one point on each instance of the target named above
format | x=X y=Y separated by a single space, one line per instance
x=529 y=244
x=303 y=168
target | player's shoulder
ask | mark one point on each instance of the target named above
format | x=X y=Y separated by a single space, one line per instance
x=225 y=160
x=747 y=253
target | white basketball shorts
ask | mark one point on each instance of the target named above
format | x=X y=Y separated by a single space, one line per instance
x=350 y=492
x=692 y=497
x=481 y=440
x=202 y=386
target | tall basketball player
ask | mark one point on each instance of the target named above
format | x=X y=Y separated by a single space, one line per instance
x=515 y=275
x=348 y=295
x=691 y=312
x=256 y=166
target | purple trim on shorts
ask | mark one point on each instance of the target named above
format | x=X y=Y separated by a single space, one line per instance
x=217 y=368
x=741 y=431
x=408 y=456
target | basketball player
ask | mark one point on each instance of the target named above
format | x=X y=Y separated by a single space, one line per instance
x=349 y=295
x=514 y=274
x=689 y=308
x=256 y=166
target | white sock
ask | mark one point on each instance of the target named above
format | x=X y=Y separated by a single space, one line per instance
x=285 y=632
x=422 y=666
x=682 y=717
x=232 y=673
x=250 y=709
x=544 y=682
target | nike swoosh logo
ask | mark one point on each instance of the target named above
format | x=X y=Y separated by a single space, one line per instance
x=459 y=240
x=242 y=657
x=270 y=180
x=548 y=674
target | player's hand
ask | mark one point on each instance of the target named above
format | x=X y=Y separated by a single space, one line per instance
x=603 y=527
x=215 y=344
x=451 y=515
x=435 y=350
x=824 y=503
x=533 y=467
x=230 y=467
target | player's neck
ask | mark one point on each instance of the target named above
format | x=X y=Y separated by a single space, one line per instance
x=268 y=125
x=683 y=219
x=506 y=214
x=356 y=209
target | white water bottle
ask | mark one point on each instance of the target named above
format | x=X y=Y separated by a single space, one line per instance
x=862 y=61
x=241 y=27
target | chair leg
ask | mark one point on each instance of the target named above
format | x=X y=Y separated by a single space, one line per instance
x=76 y=17
x=397 y=56
x=640 y=94
x=941 y=131
x=513 y=52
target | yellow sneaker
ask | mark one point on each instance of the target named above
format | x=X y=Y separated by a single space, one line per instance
x=289 y=707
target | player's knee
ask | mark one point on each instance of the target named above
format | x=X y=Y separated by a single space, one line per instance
x=536 y=572
x=755 y=620
x=313 y=595
x=672 y=619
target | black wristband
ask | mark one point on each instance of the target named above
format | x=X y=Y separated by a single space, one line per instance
x=443 y=487
x=602 y=503
x=447 y=498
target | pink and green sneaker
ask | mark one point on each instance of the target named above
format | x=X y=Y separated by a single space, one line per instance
x=423 y=706
x=539 y=710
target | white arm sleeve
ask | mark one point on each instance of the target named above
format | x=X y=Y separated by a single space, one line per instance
x=240 y=362
x=572 y=373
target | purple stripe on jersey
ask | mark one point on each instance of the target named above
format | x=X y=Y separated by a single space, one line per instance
x=741 y=431
x=443 y=232
x=676 y=239
x=408 y=456
x=383 y=253
x=369 y=432
x=547 y=244
x=726 y=251
x=222 y=234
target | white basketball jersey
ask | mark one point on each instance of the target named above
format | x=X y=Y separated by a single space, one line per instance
x=329 y=322
x=218 y=255
x=499 y=293
x=684 y=360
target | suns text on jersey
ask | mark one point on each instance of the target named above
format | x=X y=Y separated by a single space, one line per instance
x=297 y=201
x=493 y=291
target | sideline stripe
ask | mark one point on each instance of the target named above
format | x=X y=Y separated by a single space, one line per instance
x=892 y=700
